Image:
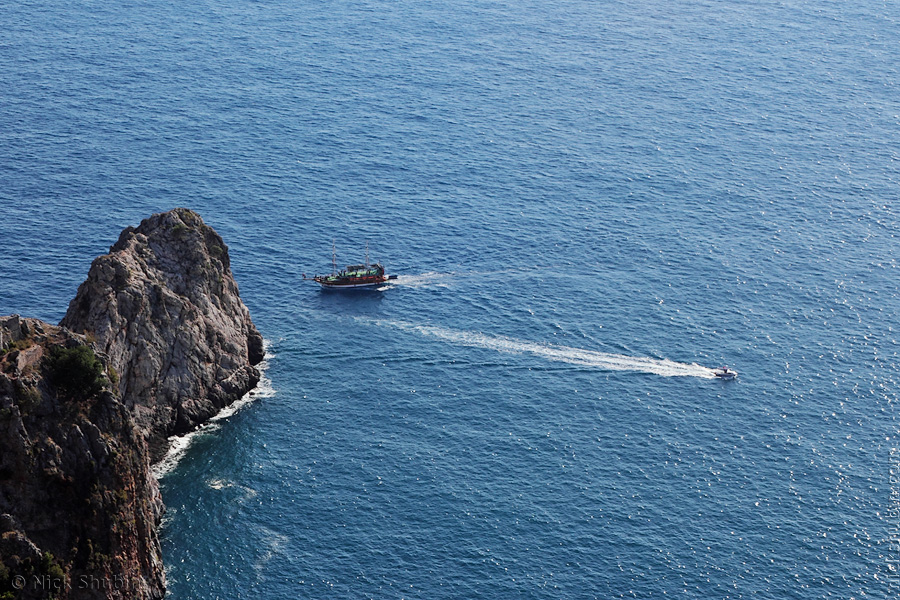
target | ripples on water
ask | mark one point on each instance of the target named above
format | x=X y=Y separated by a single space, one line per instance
x=561 y=187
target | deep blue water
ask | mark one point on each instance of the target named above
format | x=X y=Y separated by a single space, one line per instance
x=704 y=182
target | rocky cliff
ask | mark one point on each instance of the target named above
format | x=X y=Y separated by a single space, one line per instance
x=164 y=306
x=79 y=509
x=156 y=341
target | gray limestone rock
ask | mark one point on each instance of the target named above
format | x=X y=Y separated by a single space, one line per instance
x=163 y=306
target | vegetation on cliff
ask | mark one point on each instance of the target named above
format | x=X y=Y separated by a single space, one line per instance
x=75 y=372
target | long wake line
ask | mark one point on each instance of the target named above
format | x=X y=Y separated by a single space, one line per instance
x=576 y=356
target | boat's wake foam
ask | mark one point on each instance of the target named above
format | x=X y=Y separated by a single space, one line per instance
x=575 y=356
x=430 y=279
x=178 y=445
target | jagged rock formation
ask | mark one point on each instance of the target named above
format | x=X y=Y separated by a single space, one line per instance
x=79 y=508
x=156 y=341
x=164 y=307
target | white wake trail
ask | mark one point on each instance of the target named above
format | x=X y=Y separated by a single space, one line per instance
x=576 y=356
x=430 y=279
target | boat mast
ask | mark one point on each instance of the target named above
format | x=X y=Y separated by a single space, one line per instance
x=333 y=259
x=367 y=254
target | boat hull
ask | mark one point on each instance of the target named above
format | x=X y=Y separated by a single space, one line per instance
x=343 y=286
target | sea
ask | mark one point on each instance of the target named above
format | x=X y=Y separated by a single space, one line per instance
x=589 y=204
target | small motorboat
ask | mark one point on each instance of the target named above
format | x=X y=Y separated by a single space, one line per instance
x=725 y=373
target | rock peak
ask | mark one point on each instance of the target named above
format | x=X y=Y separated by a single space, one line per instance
x=164 y=307
x=179 y=228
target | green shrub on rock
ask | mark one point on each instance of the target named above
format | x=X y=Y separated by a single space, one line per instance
x=76 y=371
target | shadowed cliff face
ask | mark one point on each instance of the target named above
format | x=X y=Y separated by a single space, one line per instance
x=165 y=309
x=79 y=509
